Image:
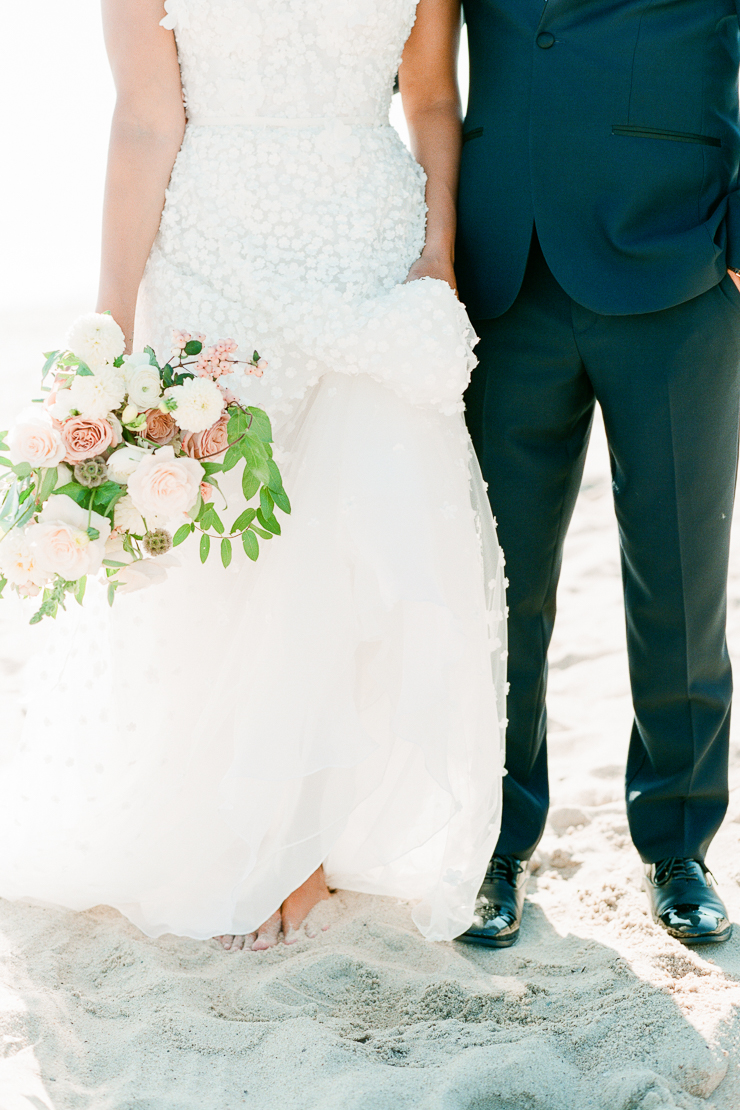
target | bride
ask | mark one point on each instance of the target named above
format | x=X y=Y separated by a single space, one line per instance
x=209 y=754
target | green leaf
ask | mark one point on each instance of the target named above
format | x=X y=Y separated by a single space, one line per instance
x=50 y=357
x=268 y=522
x=260 y=531
x=237 y=425
x=210 y=468
x=93 y=533
x=232 y=457
x=260 y=471
x=77 y=492
x=225 y=552
x=3 y=584
x=281 y=500
x=205 y=547
x=250 y=484
x=206 y=517
x=21 y=470
x=105 y=497
x=80 y=590
x=266 y=502
x=167 y=376
x=255 y=356
x=113 y=563
x=260 y=423
x=112 y=586
x=84 y=371
x=251 y=545
x=6 y=462
x=217 y=523
x=243 y=520
x=194 y=347
x=152 y=355
x=181 y=534
x=47 y=483
x=197 y=508
x=275 y=482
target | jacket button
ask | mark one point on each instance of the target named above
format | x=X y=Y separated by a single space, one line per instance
x=545 y=40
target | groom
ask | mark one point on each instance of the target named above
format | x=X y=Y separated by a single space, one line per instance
x=599 y=241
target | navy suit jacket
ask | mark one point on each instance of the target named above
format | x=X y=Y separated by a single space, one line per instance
x=611 y=125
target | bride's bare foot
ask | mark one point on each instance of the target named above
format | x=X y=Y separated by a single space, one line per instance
x=298 y=905
x=294 y=911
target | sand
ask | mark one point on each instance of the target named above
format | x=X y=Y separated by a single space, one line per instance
x=594 y=1008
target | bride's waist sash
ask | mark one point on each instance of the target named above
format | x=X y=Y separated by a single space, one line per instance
x=210 y=119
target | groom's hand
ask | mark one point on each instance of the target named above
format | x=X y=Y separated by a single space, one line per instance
x=433 y=266
x=735 y=277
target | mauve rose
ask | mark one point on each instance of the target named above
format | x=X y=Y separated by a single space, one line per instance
x=160 y=427
x=210 y=443
x=86 y=436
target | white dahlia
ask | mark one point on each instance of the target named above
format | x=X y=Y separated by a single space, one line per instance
x=199 y=404
x=127 y=517
x=97 y=394
x=96 y=339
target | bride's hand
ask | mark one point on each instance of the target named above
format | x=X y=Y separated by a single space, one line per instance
x=433 y=266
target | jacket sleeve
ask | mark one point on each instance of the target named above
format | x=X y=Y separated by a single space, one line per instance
x=732 y=220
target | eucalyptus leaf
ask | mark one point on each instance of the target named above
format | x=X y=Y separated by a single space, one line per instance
x=80 y=589
x=112 y=592
x=51 y=357
x=47 y=483
x=21 y=470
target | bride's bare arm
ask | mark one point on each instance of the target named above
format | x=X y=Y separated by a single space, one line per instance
x=431 y=102
x=146 y=133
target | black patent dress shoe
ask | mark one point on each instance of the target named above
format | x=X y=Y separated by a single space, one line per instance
x=684 y=902
x=498 y=907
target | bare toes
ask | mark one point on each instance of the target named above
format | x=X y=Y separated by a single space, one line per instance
x=267 y=934
x=225 y=941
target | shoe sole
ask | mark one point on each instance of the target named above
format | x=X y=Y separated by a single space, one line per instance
x=489 y=942
x=695 y=942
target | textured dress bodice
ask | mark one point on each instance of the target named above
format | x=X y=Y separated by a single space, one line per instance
x=294 y=201
x=290 y=58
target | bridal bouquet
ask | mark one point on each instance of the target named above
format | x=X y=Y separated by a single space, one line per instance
x=118 y=465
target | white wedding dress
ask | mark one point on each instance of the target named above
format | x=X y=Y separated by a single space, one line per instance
x=191 y=755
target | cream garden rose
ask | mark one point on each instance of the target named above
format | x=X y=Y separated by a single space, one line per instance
x=60 y=541
x=164 y=486
x=34 y=440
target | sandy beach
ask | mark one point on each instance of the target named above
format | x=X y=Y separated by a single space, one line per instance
x=594 y=1008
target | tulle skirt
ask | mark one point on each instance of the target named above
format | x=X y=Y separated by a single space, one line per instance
x=193 y=754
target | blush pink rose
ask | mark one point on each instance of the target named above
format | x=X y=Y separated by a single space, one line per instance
x=160 y=427
x=35 y=440
x=164 y=486
x=210 y=443
x=86 y=436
